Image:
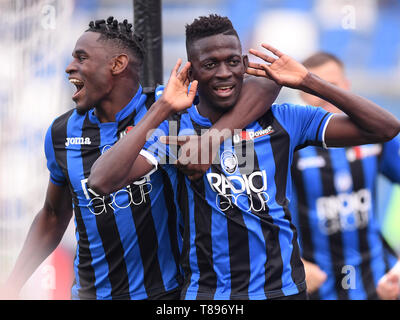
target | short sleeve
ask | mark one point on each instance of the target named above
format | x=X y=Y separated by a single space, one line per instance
x=56 y=175
x=389 y=164
x=154 y=150
x=306 y=125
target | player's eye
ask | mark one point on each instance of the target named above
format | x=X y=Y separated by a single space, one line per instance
x=81 y=58
x=209 y=65
x=234 y=62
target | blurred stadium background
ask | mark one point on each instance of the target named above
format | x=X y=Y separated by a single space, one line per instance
x=36 y=42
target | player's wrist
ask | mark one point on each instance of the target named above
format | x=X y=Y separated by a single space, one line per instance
x=163 y=109
x=310 y=83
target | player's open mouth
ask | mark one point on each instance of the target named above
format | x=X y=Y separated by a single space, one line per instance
x=224 y=91
x=78 y=84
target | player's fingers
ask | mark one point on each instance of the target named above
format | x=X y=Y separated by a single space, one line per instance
x=272 y=49
x=193 y=89
x=187 y=82
x=257 y=72
x=261 y=55
x=175 y=140
x=175 y=69
x=269 y=73
x=195 y=177
x=183 y=74
x=186 y=168
x=187 y=172
x=322 y=276
x=255 y=65
x=392 y=278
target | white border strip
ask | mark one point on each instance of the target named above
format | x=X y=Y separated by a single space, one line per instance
x=323 y=131
x=149 y=157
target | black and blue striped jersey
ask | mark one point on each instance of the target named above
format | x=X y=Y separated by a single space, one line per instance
x=335 y=213
x=128 y=242
x=239 y=241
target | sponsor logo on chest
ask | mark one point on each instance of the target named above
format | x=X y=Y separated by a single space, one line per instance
x=249 y=135
x=311 y=162
x=344 y=211
x=247 y=191
x=361 y=152
x=77 y=141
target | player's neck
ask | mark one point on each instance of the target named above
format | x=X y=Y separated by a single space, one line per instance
x=208 y=111
x=114 y=103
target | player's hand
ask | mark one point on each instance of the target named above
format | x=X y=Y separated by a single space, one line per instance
x=284 y=70
x=388 y=287
x=315 y=277
x=197 y=153
x=177 y=93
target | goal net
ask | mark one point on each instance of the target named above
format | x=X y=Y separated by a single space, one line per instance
x=33 y=46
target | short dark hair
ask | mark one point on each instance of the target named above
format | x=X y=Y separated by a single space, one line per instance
x=211 y=25
x=320 y=58
x=121 y=34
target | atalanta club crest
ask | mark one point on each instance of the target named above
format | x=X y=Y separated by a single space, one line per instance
x=343 y=181
x=127 y=129
x=125 y=132
x=229 y=162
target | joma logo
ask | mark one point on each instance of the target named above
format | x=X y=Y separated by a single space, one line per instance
x=79 y=140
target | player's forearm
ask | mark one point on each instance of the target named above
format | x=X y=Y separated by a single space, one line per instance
x=255 y=99
x=370 y=117
x=43 y=238
x=115 y=165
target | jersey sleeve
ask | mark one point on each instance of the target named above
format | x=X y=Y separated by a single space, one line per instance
x=56 y=175
x=154 y=150
x=389 y=164
x=306 y=125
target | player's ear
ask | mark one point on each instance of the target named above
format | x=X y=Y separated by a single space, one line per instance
x=119 y=64
x=190 y=73
x=245 y=62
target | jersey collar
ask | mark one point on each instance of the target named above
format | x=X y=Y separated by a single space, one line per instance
x=135 y=104
x=198 y=118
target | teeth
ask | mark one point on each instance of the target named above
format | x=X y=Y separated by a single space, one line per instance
x=224 y=88
x=76 y=81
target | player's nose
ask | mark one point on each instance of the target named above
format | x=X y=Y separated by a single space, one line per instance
x=71 y=67
x=223 y=71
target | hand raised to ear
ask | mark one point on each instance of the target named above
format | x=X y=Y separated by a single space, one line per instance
x=179 y=93
x=284 y=70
